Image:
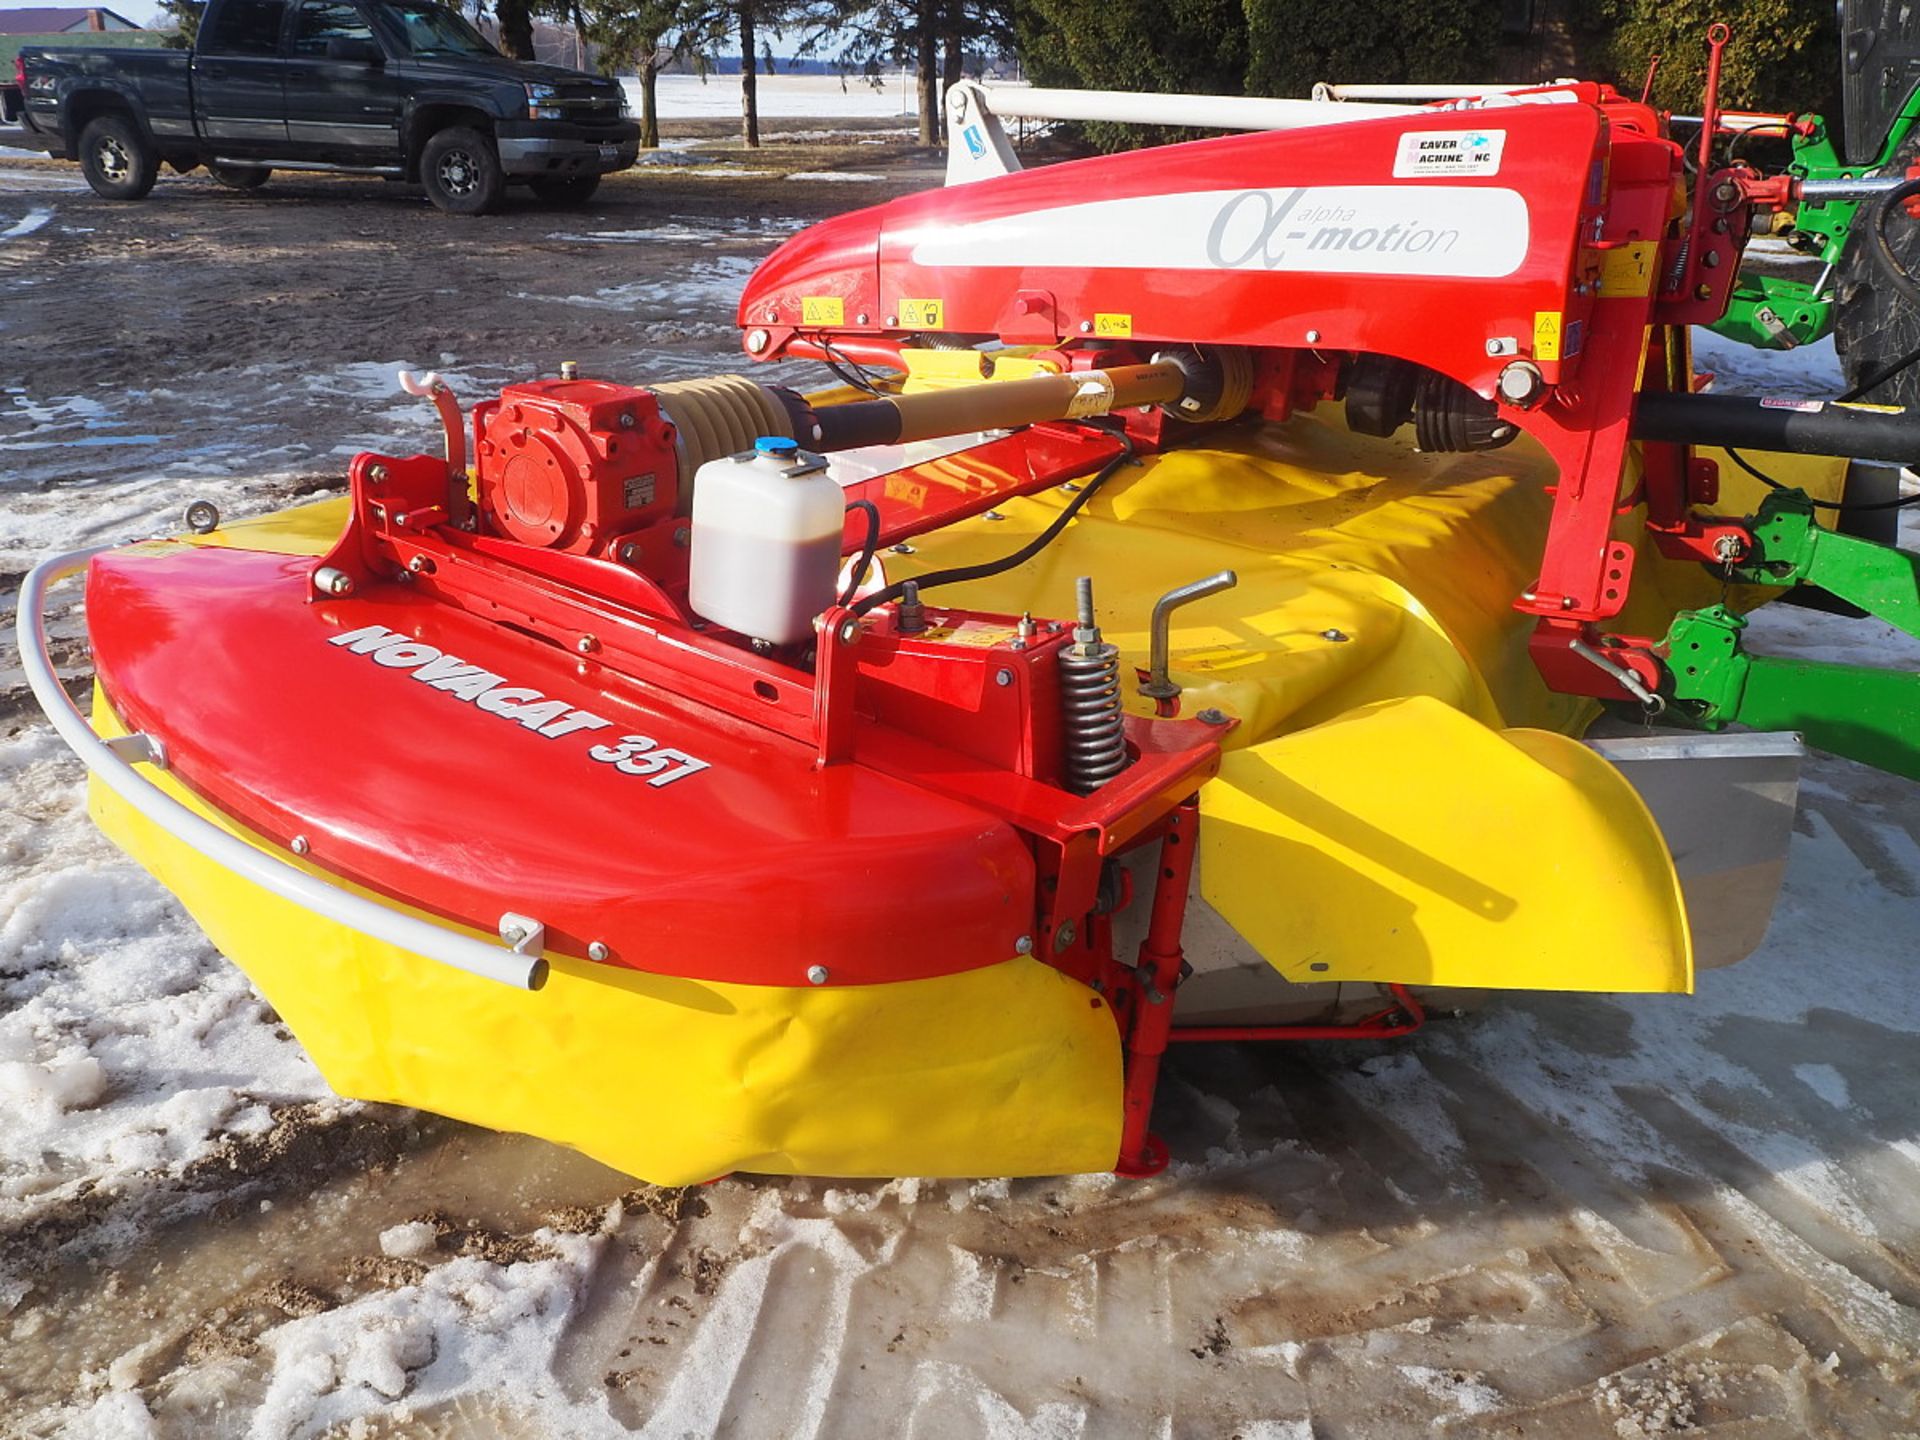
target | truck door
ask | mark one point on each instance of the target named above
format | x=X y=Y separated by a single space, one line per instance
x=343 y=103
x=238 y=101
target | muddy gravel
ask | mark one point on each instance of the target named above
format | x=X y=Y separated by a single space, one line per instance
x=1564 y=1216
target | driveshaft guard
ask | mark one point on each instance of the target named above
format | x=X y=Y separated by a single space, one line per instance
x=1406 y=842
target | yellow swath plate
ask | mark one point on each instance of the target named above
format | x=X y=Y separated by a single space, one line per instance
x=1012 y=1069
x=1406 y=842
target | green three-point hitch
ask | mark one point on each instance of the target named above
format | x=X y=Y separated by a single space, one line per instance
x=1868 y=714
x=1851 y=294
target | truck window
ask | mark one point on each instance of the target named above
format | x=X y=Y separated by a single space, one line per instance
x=431 y=29
x=319 y=21
x=244 y=27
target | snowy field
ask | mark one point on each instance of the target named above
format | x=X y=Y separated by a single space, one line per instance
x=1564 y=1216
x=688 y=97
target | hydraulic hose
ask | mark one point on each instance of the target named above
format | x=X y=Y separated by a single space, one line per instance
x=1797 y=427
x=857 y=576
x=958 y=573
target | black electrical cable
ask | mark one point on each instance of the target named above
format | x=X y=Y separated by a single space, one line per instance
x=1896 y=273
x=1781 y=129
x=1773 y=484
x=1880 y=377
x=859 y=573
x=1026 y=552
x=859 y=379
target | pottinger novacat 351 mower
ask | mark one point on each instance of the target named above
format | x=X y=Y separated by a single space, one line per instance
x=1186 y=639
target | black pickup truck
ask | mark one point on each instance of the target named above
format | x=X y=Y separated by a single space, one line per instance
x=405 y=89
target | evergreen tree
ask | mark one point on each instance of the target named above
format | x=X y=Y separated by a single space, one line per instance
x=515 y=18
x=636 y=35
x=1196 y=46
x=1784 y=55
x=933 y=36
x=1293 y=43
x=711 y=25
x=185 y=15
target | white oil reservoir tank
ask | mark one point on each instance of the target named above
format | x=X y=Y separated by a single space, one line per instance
x=766 y=541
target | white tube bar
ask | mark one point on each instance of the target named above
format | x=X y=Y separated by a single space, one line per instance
x=1416 y=92
x=419 y=937
x=1209 y=112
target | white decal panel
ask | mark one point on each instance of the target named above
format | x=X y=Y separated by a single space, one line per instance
x=1430 y=154
x=529 y=708
x=1477 y=232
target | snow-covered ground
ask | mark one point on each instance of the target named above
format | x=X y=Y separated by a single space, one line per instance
x=689 y=97
x=1566 y=1216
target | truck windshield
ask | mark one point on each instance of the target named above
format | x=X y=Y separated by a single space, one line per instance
x=435 y=30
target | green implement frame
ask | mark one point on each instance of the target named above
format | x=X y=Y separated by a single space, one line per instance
x=1867 y=714
x=1776 y=312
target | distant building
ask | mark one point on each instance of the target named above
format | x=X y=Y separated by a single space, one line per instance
x=62 y=20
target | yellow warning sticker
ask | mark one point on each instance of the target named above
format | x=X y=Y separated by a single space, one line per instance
x=1114 y=327
x=904 y=491
x=1626 y=272
x=974 y=634
x=1547 y=325
x=1870 y=408
x=822 y=310
x=922 y=314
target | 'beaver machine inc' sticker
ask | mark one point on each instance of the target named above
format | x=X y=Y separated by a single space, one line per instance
x=1449 y=152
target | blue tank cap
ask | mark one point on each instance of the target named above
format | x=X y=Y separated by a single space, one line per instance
x=775 y=445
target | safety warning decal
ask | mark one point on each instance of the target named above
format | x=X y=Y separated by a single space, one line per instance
x=1426 y=153
x=922 y=314
x=974 y=634
x=822 y=310
x=1547 y=327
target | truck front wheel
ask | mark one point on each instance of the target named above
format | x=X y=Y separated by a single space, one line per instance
x=117 y=158
x=460 y=170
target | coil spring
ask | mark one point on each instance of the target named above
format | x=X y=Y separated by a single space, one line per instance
x=1095 y=735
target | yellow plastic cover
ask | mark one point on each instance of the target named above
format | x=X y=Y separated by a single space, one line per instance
x=1406 y=842
x=1012 y=1069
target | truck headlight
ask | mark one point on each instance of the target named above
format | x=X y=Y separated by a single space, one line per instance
x=540 y=104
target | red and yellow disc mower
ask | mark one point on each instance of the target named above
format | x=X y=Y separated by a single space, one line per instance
x=1181 y=627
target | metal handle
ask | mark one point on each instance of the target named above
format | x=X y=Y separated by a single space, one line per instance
x=1157 y=686
x=331 y=902
x=431 y=387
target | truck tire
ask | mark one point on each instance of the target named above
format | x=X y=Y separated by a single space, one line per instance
x=460 y=170
x=240 y=177
x=565 y=190
x=1872 y=326
x=117 y=158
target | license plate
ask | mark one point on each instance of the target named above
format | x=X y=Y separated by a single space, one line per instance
x=609 y=152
